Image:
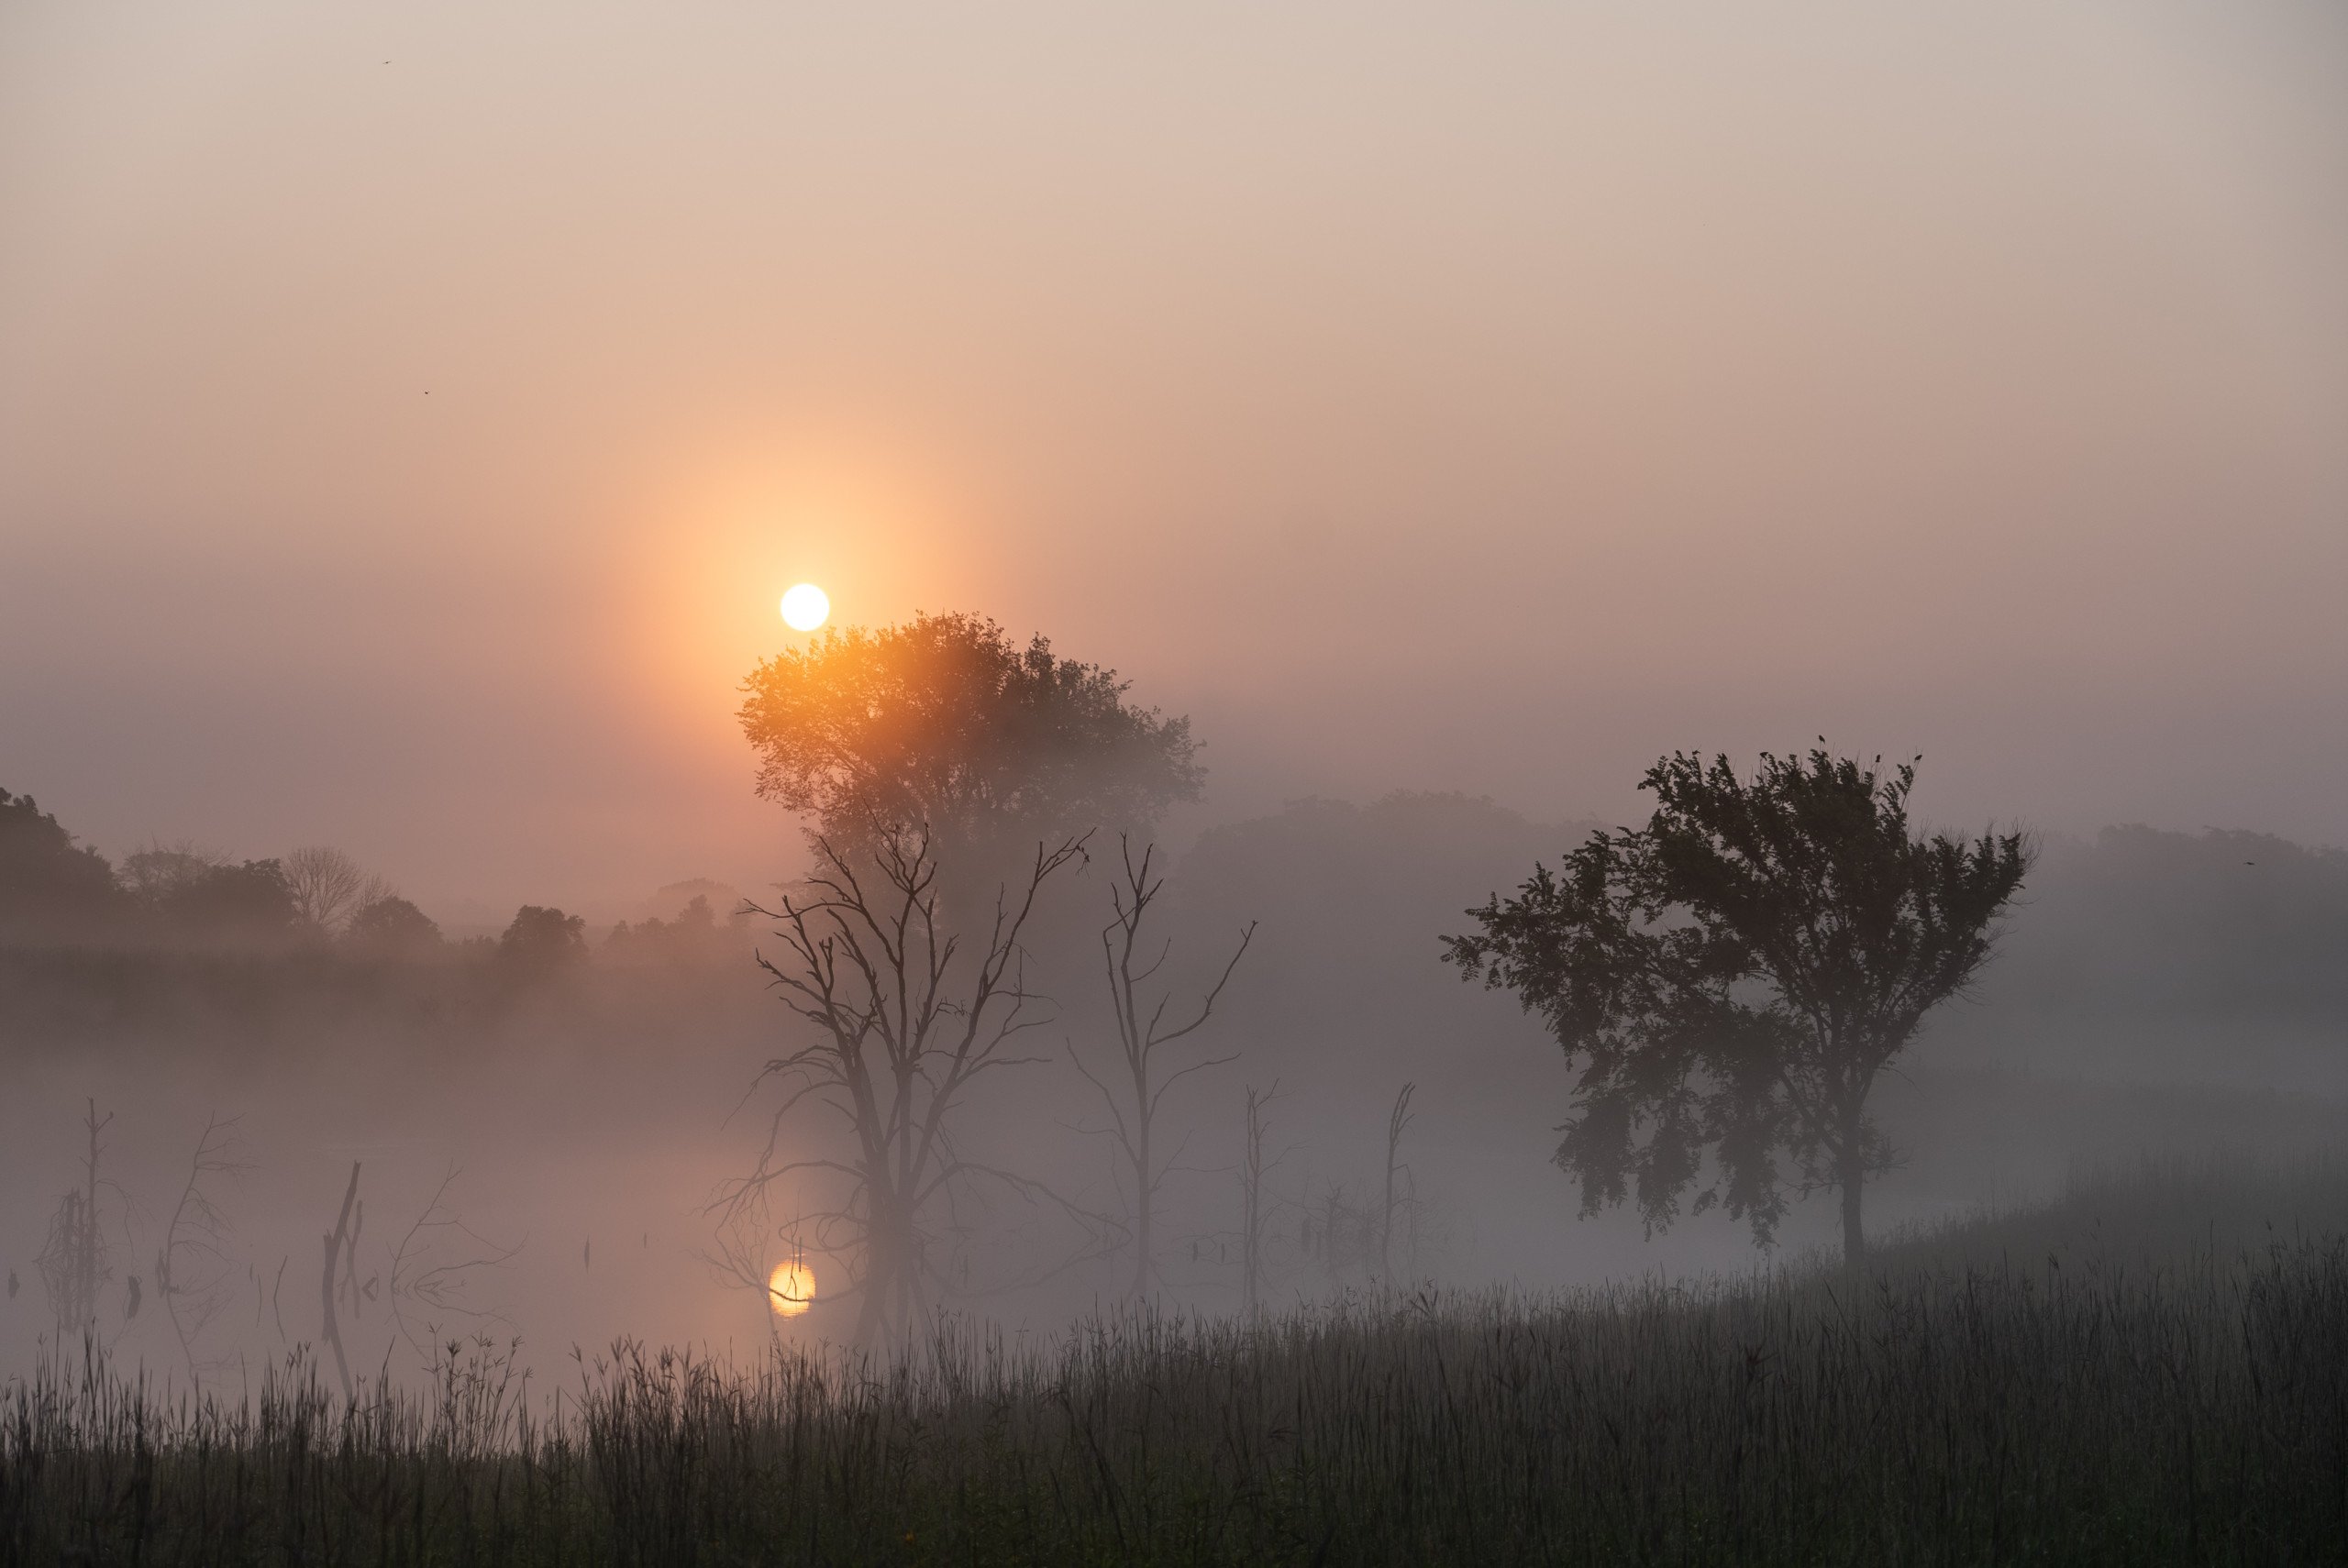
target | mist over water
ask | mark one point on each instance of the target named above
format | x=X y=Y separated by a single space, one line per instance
x=2159 y=996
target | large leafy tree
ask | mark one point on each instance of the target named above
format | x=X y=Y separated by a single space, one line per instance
x=945 y=725
x=1730 y=979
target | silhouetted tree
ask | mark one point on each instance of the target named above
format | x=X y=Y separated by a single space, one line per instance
x=692 y=940
x=155 y=873
x=1341 y=1233
x=540 y=943
x=250 y=898
x=392 y=927
x=329 y=886
x=1255 y=1209
x=945 y=724
x=903 y=1026
x=1143 y=1030
x=51 y=888
x=1733 y=976
x=202 y=897
x=1398 y=1181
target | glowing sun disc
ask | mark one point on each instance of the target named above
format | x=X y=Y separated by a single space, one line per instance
x=790 y=1289
x=806 y=607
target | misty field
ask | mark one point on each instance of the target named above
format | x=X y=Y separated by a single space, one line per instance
x=2116 y=1392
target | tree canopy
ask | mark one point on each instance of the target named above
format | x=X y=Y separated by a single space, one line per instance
x=945 y=723
x=390 y=926
x=540 y=943
x=51 y=888
x=329 y=886
x=209 y=900
x=1732 y=977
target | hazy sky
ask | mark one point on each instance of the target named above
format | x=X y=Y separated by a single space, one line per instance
x=409 y=420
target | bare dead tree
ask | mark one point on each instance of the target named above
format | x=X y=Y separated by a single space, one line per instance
x=193 y=1267
x=1397 y=1120
x=1252 y=1169
x=1339 y=1232
x=1143 y=1030
x=76 y=1263
x=329 y=886
x=342 y=1239
x=433 y=1268
x=902 y=1028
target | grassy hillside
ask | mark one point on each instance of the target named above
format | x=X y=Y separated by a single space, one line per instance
x=2141 y=1374
x=2193 y=1211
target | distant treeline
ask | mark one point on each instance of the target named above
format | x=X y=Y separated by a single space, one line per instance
x=2199 y=939
x=56 y=892
x=2217 y=923
x=177 y=934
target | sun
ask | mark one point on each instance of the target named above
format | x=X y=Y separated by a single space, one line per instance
x=806 y=607
x=790 y=1289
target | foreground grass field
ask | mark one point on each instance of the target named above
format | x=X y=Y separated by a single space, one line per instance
x=2146 y=1373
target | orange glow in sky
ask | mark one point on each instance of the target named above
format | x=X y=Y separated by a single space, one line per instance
x=1967 y=382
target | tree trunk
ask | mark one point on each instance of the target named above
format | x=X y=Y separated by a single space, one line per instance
x=1853 y=1176
x=1142 y=1201
x=893 y=1307
x=1252 y=1192
x=1396 y=1121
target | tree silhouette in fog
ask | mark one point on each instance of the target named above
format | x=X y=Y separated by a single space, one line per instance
x=156 y=874
x=945 y=724
x=1133 y=1081
x=540 y=943
x=693 y=939
x=904 y=1016
x=51 y=888
x=391 y=927
x=1732 y=977
x=329 y=886
x=208 y=899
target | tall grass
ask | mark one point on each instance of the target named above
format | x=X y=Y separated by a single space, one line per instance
x=2098 y=1411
